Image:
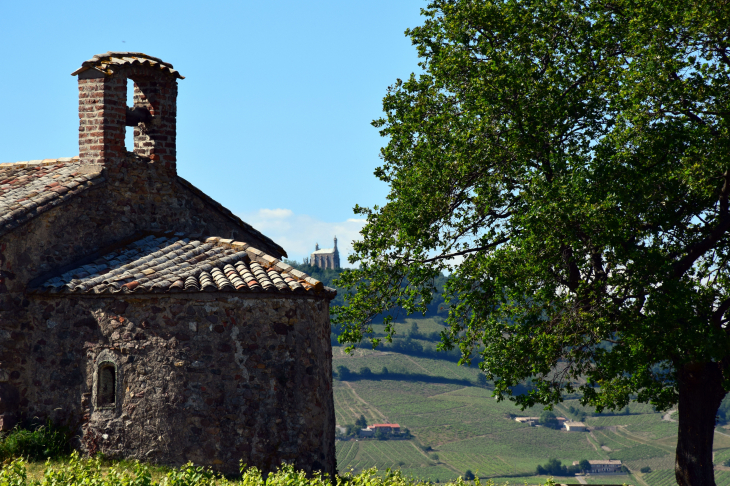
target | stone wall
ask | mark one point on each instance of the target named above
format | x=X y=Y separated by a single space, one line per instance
x=212 y=379
x=137 y=198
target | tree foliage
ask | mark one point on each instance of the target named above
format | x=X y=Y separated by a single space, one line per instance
x=574 y=156
x=548 y=419
x=555 y=468
x=567 y=162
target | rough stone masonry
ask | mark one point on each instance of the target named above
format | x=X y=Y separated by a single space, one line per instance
x=138 y=310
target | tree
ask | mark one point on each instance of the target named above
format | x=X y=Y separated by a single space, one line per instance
x=481 y=380
x=554 y=468
x=584 y=465
x=468 y=475
x=568 y=164
x=548 y=419
x=361 y=422
x=343 y=373
x=414 y=333
x=381 y=434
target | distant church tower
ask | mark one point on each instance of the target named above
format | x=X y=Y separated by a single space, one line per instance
x=325 y=258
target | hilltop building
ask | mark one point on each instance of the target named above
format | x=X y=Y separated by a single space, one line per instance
x=325 y=258
x=136 y=306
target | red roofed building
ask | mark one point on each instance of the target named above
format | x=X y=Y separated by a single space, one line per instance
x=394 y=428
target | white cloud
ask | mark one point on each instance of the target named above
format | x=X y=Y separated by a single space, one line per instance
x=276 y=213
x=298 y=233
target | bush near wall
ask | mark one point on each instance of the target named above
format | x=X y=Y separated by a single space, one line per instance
x=86 y=472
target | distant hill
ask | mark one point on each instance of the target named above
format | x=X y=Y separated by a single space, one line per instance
x=437 y=307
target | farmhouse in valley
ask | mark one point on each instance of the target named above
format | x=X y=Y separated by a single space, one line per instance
x=371 y=430
x=604 y=466
x=138 y=307
x=575 y=426
x=531 y=421
x=393 y=428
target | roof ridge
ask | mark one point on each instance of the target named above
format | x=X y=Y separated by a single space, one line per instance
x=110 y=60
x=172 y=262
x=38 y=162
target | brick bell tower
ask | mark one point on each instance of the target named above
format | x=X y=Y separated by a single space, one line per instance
x=104 y=114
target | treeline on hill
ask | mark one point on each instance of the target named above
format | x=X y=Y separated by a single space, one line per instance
x=437 y=307
x=410 y=343
x=365 y=373
x=555 y=468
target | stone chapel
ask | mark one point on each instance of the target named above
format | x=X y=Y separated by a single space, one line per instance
x=138 y=310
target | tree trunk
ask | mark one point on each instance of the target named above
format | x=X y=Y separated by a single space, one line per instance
x=700 y=394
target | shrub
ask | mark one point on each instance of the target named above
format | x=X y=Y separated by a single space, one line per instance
x=555 y=468
x=36 y=443
x=468 y=475
x=343 y=372
x=645 y=469
x=548 y=419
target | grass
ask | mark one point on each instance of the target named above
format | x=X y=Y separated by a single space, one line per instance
x=402 y=455
x=426 y=325
x=637 y=452
x=36 y=442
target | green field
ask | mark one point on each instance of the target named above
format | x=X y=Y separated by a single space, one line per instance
x=394 y=454
x=465 y=428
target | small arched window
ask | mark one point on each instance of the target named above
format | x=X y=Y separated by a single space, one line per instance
x=106 y=385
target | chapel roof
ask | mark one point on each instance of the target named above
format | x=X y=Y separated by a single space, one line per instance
x=168 y=263
x=110 y=61
x=28 y=189
x=324 y=251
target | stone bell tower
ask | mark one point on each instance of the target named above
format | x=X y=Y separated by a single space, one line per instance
x=104 y=114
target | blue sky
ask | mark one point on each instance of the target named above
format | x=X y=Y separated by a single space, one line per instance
x=273 y=116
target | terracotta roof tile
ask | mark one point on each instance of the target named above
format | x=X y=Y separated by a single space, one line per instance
x=28 y=189
x=174 y=263
x=110 y=61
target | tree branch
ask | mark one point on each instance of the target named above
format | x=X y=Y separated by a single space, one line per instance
x=701 y=247
x=459 y=253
